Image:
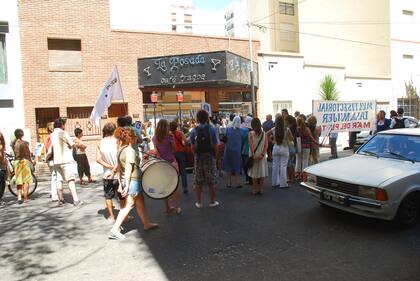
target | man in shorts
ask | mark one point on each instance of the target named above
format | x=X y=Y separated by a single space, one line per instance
x=64 y=166
x=204 y=145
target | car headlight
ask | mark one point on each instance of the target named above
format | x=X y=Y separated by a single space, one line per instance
x=367 y=192
x=309 y=178
x=373 y=193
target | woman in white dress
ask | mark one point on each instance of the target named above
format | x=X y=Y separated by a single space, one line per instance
x=258 y=143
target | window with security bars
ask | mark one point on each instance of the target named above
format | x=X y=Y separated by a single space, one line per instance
x=3 y=60
x=410 y=106
x=279 y=105
x=286 y=8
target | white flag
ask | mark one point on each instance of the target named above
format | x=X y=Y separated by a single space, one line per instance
x=111 y=91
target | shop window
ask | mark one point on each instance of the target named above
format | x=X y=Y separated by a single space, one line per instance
x=287 y=8
x=279 y=105
x=173 y=17
x=3 y=59
x=64 y=54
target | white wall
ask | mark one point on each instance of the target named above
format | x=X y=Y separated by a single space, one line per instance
x=12 y=118
x=405 y=40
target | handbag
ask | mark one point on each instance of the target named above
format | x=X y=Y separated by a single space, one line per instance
x=250 y=161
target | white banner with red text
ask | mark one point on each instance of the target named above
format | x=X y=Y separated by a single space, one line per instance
x=345 y=116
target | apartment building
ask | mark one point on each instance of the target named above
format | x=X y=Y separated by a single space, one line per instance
x=236 y=17
x=405 y=53
x=352 y=43
x=11 y=94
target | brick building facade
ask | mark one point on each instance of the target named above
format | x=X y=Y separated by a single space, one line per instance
x=64 y=77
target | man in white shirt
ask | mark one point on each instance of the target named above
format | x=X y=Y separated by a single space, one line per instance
x=399 y=121
x=62 y=150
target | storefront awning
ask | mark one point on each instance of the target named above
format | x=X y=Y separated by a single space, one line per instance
x=199 y=70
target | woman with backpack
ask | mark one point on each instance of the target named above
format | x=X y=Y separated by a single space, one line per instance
x=164 y=143
x=129 y=181
x=232 y=153
x=258 y=144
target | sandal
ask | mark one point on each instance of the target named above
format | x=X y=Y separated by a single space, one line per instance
x=239 y=186
x=170 y=210
x=151 y=226
x=228 y=186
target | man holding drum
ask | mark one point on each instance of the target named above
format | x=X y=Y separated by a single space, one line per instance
x=204 y=145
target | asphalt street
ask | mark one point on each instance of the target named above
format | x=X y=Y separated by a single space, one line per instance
x=282 y=235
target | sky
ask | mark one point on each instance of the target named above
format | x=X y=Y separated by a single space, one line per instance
x=210 y=4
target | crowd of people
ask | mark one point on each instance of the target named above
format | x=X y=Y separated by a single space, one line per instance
x=240 y=147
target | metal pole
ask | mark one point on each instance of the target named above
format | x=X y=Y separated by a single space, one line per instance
x=180 y=116
x=251 y=72
x=154 y=113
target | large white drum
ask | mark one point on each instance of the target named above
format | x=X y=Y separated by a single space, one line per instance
x=159 y=178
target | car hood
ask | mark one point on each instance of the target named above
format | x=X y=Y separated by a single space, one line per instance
x=364 y=170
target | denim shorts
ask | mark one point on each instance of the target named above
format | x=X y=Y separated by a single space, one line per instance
x=135 y=187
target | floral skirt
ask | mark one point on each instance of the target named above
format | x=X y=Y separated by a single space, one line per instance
x=23 y=172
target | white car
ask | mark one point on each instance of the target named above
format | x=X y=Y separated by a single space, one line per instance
x=382 y=180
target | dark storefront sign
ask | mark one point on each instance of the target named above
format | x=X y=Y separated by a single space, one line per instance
x=215 y=69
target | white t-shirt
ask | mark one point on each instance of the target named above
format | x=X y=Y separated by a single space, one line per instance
x=62 y=145
x=109 y=150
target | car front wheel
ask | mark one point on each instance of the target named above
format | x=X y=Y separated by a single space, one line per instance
x=409 y=211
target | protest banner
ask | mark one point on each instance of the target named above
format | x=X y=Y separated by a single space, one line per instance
x=345 y=116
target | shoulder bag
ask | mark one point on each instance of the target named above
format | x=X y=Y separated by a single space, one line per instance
x=250 y=161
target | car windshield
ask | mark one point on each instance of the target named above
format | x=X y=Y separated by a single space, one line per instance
x=403 y=147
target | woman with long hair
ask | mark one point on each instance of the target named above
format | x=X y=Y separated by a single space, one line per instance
x=180 y=153
x=129 y=181
x=258 y=144
x=282 y=136
x=22 y=165
x=232 y=154
x=292 y=125
x=316 y=133
x=165 y=148
x=306 y=138
x=47 y=144
x=245 y=147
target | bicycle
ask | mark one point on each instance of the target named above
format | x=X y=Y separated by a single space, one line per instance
x=11 y=181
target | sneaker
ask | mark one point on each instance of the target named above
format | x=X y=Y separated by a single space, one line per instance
x=116 y=235
x=214 y=204
x=198 y=205
x=78 y=203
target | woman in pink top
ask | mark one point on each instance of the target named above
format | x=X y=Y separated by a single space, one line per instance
x=165 y=148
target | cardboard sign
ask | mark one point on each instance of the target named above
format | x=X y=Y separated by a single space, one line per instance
x=345 y=116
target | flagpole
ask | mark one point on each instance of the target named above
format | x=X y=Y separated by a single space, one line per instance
x=122 y=94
